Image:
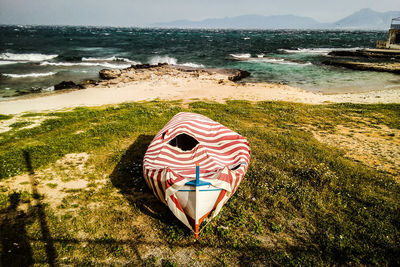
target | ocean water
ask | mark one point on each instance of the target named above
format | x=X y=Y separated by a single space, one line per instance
x=34 y=58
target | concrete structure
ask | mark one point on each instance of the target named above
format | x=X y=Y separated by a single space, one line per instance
x=393 y=41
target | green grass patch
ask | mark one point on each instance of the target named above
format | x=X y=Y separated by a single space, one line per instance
x=20 y=124
x=28 y=115
x=301 y=202
x=5 y=117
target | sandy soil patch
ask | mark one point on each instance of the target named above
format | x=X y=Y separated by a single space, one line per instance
x=377 y=146
x=51 y=182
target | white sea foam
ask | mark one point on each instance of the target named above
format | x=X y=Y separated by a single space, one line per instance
x=277 y=61
x=113 y=58
x=49 y=89
x=29 y=75
x=172 y=61
x=241 y=56
x=6 y=62
x=192 y=65
x=163 y=59
x=295 y=63
x=26 y=57
x=322 y=51
x=91 y=48
x=86 y=64
x=260 y=55
x=268 y=60
x=308 y=50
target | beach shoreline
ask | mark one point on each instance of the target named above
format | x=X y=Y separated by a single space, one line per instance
x=166 y=82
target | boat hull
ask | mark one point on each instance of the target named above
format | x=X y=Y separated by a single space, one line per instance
x=194 y=165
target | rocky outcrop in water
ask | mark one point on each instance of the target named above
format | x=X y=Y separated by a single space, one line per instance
x=109 y=74
x=381 y=66
x=147 y=71
x=383 y=60
x=367 y=53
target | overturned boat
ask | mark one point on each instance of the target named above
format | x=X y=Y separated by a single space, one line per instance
x=194 y=165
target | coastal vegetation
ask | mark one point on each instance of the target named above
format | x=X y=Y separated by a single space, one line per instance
x=72 y=189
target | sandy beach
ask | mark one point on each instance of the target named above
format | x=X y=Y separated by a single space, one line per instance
x=172 y=83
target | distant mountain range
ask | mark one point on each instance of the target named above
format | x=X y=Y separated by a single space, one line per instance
x=364 y=19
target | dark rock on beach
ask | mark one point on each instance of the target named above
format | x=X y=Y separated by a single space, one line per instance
x=239 y=75
x=67 y=85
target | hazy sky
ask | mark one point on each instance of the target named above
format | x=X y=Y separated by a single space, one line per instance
x=143 y=13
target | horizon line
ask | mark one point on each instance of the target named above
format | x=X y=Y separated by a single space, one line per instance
x=191 y=28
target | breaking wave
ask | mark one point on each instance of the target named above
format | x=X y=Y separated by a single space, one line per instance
x=278 y=61
x=113 y=58
x=163 y=59
x=172 y=61
x=261 y=58
x=30 y=75
x=6 y=62
x=86 y=64
x=241 y=56
x=26 y=57
x=322 y=51
x=192 y=65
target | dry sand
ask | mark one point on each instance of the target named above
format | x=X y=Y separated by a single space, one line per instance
x=167 y=83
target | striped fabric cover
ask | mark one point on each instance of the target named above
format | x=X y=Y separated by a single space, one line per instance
x=223 y=157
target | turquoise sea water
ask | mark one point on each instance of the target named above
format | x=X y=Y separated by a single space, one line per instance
x=34 y=58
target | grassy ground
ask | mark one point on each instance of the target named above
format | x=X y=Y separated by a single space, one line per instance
x=72 y=191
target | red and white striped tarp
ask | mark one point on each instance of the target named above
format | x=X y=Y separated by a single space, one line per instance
x=222 y=154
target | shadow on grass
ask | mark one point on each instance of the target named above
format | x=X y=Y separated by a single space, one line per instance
x=127 y=176
x=51 y=252
x=16 y=249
